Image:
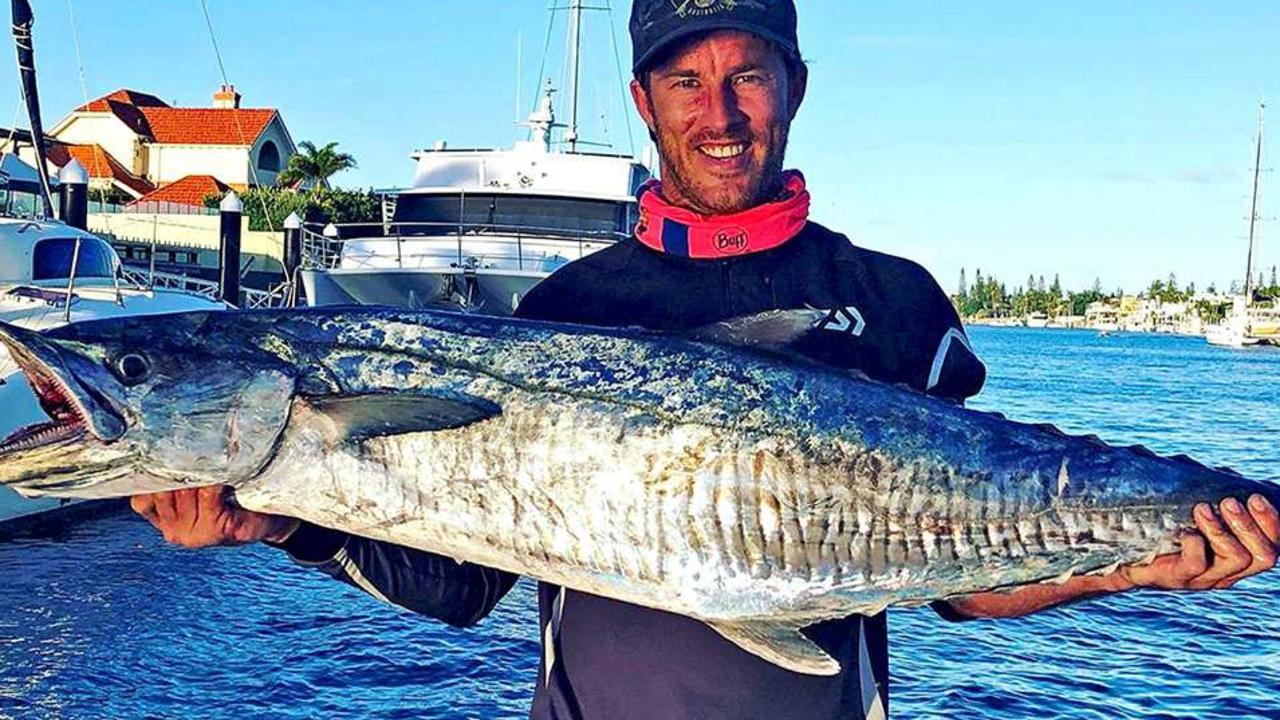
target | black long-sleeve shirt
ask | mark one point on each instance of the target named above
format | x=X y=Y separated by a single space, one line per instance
x=885 y=316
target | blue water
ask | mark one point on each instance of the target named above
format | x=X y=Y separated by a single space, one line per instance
x=105 y=621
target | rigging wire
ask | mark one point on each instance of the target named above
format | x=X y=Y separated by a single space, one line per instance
x=13 y=126
x=222 y=69
x=546 y=48
x=235 y=115
x=622 y=83
x=84 y=93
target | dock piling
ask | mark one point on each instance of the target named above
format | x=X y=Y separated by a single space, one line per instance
x=73 y=195
x=230 y=210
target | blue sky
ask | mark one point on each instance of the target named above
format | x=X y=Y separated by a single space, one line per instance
x=1095 y=139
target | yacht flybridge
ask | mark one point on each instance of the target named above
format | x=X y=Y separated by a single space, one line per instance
x=478 y=228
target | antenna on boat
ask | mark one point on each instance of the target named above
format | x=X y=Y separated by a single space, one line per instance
x=543 y=120
x=1253 y=209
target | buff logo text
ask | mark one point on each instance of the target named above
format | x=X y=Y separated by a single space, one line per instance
x=731 y=241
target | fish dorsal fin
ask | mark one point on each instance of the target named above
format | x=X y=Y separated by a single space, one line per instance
x=781 y=644
x=359 y=417
x=769 y=330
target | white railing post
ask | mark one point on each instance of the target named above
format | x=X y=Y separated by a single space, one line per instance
x=71 y=280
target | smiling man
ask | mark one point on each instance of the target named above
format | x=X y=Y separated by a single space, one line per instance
x=725 y=234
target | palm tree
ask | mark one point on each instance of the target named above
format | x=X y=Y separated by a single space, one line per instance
x=314 y=166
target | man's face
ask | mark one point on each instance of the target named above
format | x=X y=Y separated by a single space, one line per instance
x=721 y=109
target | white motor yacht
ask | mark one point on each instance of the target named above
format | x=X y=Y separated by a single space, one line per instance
x=478 y=228
x=52 y=274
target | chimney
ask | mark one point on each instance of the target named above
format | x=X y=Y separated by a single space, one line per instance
x=226 y=97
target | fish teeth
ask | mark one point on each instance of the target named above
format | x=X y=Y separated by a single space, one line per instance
x=33 y=436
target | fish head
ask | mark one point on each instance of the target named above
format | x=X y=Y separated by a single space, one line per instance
x=142 y=405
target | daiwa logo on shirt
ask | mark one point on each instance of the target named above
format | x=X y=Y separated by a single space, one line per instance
x=847 y=320
x=731 y=241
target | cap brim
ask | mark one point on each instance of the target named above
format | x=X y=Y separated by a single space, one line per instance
x=725 y=24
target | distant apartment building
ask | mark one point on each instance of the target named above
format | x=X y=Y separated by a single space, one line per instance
x=152 y=153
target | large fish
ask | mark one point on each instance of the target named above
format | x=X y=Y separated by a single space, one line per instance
x=755 y=492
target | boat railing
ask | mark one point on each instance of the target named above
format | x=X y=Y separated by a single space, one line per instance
x=281 y=295
x=278 y=296
x=521 y=247
x=150 y=279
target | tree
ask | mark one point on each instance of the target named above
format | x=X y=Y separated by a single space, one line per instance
x=314 y=166
x=267 y=207
x=1156 y=290
x=963 y=291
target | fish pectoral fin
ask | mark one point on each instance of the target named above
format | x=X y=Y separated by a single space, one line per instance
x=770 y=330
x=358 y=417
x=781 y=644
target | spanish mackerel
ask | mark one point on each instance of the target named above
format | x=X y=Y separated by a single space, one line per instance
x=753 y=491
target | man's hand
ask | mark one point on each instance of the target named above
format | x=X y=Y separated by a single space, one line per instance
x=206 y=517
x=1219 y=555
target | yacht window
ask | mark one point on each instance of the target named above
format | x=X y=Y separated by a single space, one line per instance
x=53 y=259
x=21 y=204
x=481 y=213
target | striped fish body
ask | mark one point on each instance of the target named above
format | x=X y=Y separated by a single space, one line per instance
x=756 y=493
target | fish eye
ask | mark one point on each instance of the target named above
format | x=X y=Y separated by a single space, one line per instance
x=132 y=368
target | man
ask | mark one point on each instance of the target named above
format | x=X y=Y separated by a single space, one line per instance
x=726 y=234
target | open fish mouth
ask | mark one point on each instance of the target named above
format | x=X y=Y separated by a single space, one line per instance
x=67 y=421
x=72 y=409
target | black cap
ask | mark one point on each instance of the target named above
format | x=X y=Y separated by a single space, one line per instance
x=655 y=24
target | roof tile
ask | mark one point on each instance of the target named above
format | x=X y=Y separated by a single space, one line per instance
x=151 y=117
x=207 y=126
x=99 y=163
x=189 y=190
x=123 y=95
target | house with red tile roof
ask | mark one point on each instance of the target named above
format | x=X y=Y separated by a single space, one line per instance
x=138 y=143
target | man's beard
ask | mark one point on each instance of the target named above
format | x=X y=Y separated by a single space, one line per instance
x=712 y=198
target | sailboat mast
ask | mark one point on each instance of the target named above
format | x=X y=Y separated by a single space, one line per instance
x=1253 y=210
x=575 y=67
x=23 y=21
